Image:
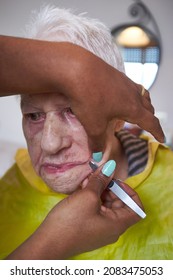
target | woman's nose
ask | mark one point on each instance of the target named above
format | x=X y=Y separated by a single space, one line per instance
x=55 y=135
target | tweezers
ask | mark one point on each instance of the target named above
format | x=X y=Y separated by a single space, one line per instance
x=121 y=194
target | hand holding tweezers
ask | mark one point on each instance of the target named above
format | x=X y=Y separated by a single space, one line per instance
x=121 y=194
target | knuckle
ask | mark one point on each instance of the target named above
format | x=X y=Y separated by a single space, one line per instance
x=91 y=196
x=135 y=108
x=100 y=180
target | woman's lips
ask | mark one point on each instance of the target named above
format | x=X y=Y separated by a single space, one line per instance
x=58 y=168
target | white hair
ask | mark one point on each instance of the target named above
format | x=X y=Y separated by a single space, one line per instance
x=56 y=24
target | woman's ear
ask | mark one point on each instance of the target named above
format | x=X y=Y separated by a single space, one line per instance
x=118 y=125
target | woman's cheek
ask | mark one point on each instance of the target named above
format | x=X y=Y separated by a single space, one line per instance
x=33 y=138
x=34 y=149
x=31 y=129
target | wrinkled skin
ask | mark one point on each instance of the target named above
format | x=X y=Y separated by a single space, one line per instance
x=58 y=144
x=56 y=140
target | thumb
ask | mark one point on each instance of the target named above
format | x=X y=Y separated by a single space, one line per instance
x=100 y=179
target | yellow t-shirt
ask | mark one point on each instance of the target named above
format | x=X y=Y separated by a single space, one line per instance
x=25 y=200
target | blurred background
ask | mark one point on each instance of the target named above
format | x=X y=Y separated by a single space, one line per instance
x=154 y=57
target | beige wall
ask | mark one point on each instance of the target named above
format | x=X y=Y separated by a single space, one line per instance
x=15 y=14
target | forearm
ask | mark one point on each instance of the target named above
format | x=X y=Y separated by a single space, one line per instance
x=28 y=66
x=44 y=244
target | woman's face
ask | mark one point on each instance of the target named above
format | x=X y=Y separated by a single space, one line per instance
x=56 y=140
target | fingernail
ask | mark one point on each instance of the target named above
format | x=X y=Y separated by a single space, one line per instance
x=97 y=156
x=109 y=168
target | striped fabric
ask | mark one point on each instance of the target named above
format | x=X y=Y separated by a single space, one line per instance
x=136 y=150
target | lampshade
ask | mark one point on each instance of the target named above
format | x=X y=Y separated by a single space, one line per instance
x=133 y=36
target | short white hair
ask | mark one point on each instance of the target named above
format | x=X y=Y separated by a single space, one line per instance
x=60 y=25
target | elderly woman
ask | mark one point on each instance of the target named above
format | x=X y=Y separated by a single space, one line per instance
x=57 y=161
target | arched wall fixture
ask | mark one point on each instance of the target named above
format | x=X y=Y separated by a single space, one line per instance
x=140 y=45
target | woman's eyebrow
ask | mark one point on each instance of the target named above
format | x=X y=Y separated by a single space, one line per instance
x=25 y=104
